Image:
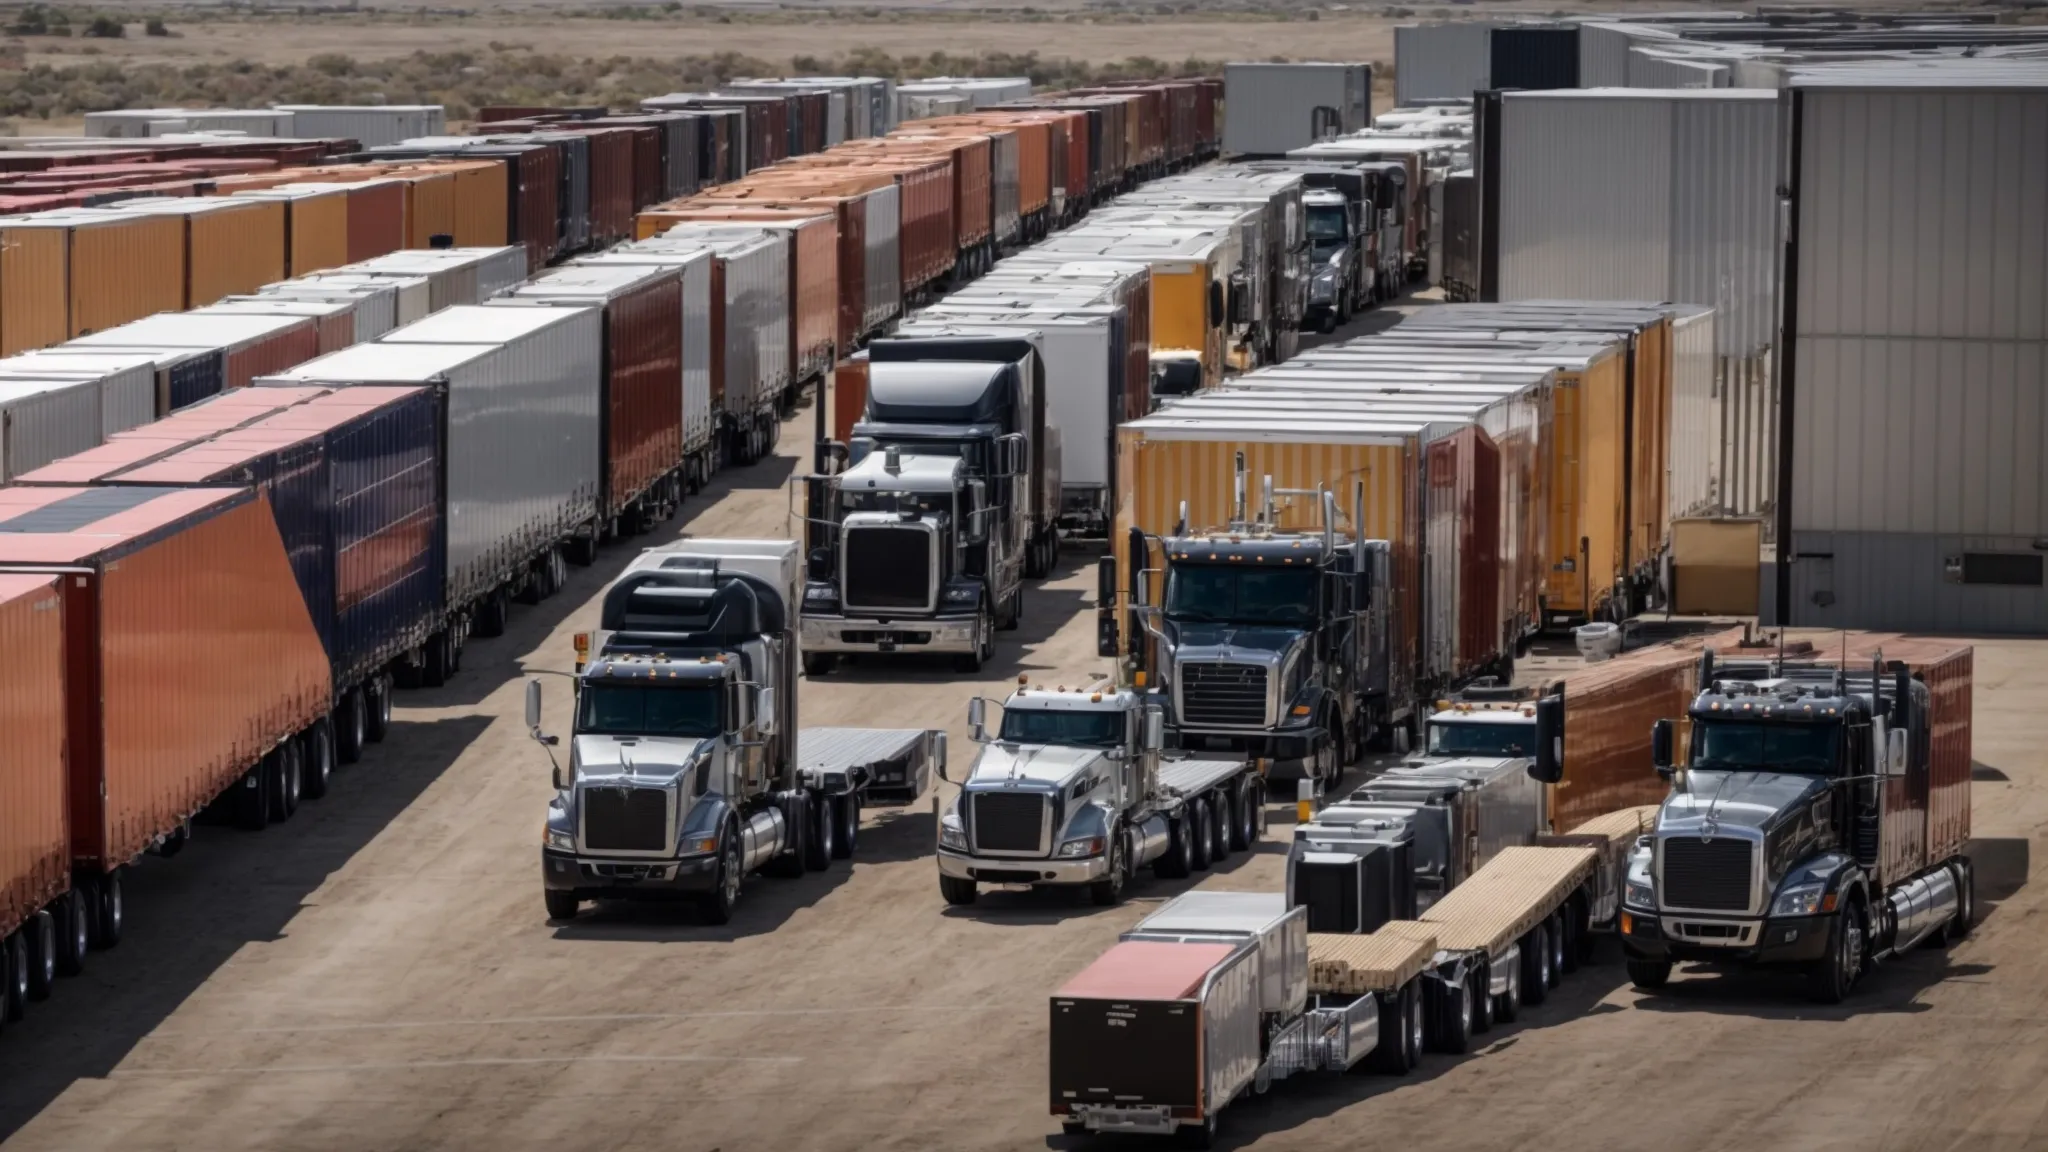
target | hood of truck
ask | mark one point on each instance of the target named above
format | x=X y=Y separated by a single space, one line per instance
x=1738 y=800
x=636 y=759
x=1047 y=764
x=1246 y=643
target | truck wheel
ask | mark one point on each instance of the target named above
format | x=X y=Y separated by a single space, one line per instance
x=377 y=710
x=287 y=780
x=1570 y=919
x=1536 y=965
x=111 y=912
x=1199 y=820
x=561 y=905
x=1649 y=975
x=1390 y=1057
x=350 y=722
x=492 y=614
x=1179 y=859
x=582 y=549
x=74 y=931
x=958 y=891
x=1454 y=1018
x=970 y=663
x=1244 y=824
x=1012 y=613
x=1222 y=817
x=818 y=664
x=1958 y=928
x=846 y=814
x=1108 y=892
x=718 y=904
x=789 y=865
x=252 y=798
x=316 y=752
x=1479 y=989
x=1508 y=1004
x=1553 y=969
x=1830 y=979
x=40 y=934
x=821 y=842
x=14 y=996
x=438 y=662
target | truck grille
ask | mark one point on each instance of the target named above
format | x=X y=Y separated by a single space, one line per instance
x=625 y=819
x=888 y=568
x=1710 y=875
x=1009 y=821
x=1226 y=695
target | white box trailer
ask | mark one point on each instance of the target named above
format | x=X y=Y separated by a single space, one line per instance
x=126 y=382
x=369 y=126
x=700 y=412
x=523 y=455
x=455 y=275
x=758 y=316
x=45 y=420
x=411 y=297
x=1269 y=109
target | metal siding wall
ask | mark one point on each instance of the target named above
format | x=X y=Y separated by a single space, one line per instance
x=1441 y=61
x=1724 y=216
x=1922 y=350
x=44 y=421
x=884 y=256
x=1603 y=55
x=1268 y=108
x=1533 y=57
x=127 y=399
x=1895 y=581
x=1586 y=199
x=35 y=848
x=1695 y=417
x=389 y=545
x=1653 y=69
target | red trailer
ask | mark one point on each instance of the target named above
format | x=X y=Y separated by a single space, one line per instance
x=35 y=832
x=1462 y=569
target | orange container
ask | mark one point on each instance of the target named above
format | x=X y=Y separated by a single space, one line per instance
x=1034 y=147
x=35 y=836
x=35 y=286
x=849 y=397
x=125 y=266
x=926 y=237
x=480 y=200
x=316 y=223
x=233 y=245
x=429 y=207
x=817 y=284
x=190 y=653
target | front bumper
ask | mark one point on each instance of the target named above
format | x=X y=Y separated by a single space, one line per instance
x=609 y=878
x=1292 y=744
x=1003 y=870
x=931 y=634
x=1681 y=937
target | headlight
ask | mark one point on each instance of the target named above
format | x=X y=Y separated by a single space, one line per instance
x=700 y=845
x=1326 y=277
x=1802 y=900
x=1639 y=893
x=1086 y=846
x=962 y=595
x=951 y=834
x=560 y=841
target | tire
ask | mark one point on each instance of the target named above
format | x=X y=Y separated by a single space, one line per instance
x=1482 y=1001
x=561 y=905
x=492 y=614
x=377 y=710
x=1833 y=977
x=821 y=839
x=74 y=931
x=1012 y=613
x=252 y=799
x=958 y=891
x=1508 y=1005
x=438 y=660
x=1179 y=859
x=1222 y=817
x=40 y=935
x=110 y=912
x=818 y=664
x=846 y=814
x=1202 y=1135
x=1649 y=975
x=1536 y=965
x=1244 y=822
x=1553 y=967
x=791 y=864
x=1569 y=919
x=1454 y=1019
x=14 y=994
x=969 y=663
x=1390 y=1057
x=316 y=752
x=1958 y=927
x=1108 y=892
x=717 y=905
x=1199 y=836
x=351 y=727
x=287 y=780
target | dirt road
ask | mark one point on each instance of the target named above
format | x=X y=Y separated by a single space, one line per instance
x=379 y=974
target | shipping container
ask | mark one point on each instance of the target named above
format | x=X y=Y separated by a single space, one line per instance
x=179 y=430
x=522 y=465
x=454 y=275
x=369 y=127
x=45 y=420
x=1271 y=109
x=334 y=320
x=1533 y=56
x=756 y=316
x=316 y=226
x=190 y=656
x=137 y=123
x=678 y=151
x=703 y=354
x=411 y=296
x=811 y=244
x=353 y=479
x=232 y=244
x=642 y=373
x=1461 y=561
x=118 y=266
x=529 y=182
x=35 y=832
x=250 y=346
x=125 y=384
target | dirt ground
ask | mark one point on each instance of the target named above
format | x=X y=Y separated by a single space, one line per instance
x=379 y=974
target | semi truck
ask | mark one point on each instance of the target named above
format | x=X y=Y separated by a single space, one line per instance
x=1074 y=789
x=1817 y=820
x=687 y=771
x=946 y=503
x=1271 y=643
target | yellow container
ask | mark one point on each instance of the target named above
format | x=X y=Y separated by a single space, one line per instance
x=35 y=286
x=1588 y=492
x=429 y=207
x=316 y=227
x=233 y=249
x=479 y=213
x=1180 y=315
x=1650 y=435
x=124 y=267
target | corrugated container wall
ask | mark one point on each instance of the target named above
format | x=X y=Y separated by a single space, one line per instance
x=191 y=654
x=45 y=420
x=1531 y=57
x=1918 y=373
x=35 y=287
x=884 y=257
x=1603 y=52
x=123 y=268
x=1438 y=62
x=1649 y=68
x=35 y=845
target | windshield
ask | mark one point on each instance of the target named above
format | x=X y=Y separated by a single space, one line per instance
x=630 y=710
x=1488 y=740
x=970 y=450
x=922 y=503
x=1046 y=726
x=1326 y=224
x=1239 y=595
x=1805 y=748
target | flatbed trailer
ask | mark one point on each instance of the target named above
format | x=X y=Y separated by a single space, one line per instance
x=891 y=763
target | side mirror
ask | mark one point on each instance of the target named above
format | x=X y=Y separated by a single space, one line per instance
x=1105 y=582
x=1660 y=747
x=764 y=711
x=1155 y=730
x=1216 y=307
x=939 y=757
x=1548 y=766
x=1896 y=752
x=977 y=720
x=533 y=706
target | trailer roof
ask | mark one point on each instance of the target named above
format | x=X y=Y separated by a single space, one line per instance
x=1146 y=970
x=72 y=525
x=1507 y=897
x=1379 y=962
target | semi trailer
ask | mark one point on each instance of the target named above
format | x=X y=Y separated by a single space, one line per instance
x=687 y=770
x=1074 y=789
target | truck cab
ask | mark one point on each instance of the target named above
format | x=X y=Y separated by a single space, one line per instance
x=1074 y=789
x=1340 y=278
x=1790 y=837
